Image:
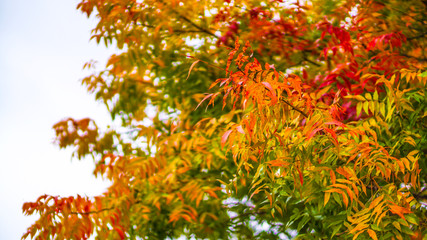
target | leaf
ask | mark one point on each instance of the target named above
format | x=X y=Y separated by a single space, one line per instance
x=376 y=201
x=273 y=94
x=357 y=234
x=372 y=234
x=359 y=227
x=366 y=107
x=225 y=137
x=338 y=127
x=359 y=108
x=375 y=98
x=120 y=232
x=334 y=135
x=397 y=225
x=206 y=97
x=312 y=133
x=301 y=177
x=303 y=222
x=326 y=200
x=191 y=68
x=320 y=93
x=240 y=129
x=399 y=210
x=335 y=122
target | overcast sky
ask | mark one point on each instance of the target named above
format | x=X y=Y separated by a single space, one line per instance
x=43 y=46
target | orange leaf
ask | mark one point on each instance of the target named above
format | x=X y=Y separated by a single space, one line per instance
x=359 y=227
x=335 y=122
x=399 y=211
x=337 y=190
x=333 y=177
x=372 y=234
x=191 y=68
x=273 y=94
x=207 y=96
x=376 y=201
x=344 y=199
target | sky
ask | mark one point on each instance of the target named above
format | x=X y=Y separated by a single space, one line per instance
x=43 y=47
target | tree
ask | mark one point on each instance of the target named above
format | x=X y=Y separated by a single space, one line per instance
x=272 y=119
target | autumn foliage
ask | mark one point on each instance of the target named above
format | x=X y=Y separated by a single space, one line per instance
x=252 y=120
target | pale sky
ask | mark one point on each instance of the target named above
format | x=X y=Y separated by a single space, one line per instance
x=43 y=46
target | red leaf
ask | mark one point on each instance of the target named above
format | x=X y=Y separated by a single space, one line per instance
x=304 y=74
x=301 y=177
x=120 y=232
x=334 y=136
x=314 y=132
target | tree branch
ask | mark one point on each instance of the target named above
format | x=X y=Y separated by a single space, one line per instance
x=92 y=212
x=418 y=36
x=418 y=59
x=295 y=108
x=191 y=22
x=177 y=30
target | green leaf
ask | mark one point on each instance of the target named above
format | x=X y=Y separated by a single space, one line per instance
x=423 y=74
x=303 y=222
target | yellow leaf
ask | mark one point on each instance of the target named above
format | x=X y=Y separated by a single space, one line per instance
x=355 y=236
x=327 y=196
x=412 y=153
x=378 y=211
x=279 y=209
x=382 y=109
x=407 y=107
x=375 y=202
x=397 y=225
x=359 y=227
x=366 y=107
x=406 y=162
x=323 y=91
x=410 y=140
x=375 y=97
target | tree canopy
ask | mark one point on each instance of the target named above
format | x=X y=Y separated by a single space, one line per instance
x=244 y=119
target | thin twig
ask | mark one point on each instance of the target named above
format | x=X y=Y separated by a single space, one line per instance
x=92 y=212
x=209 y=64
x=295 y=108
